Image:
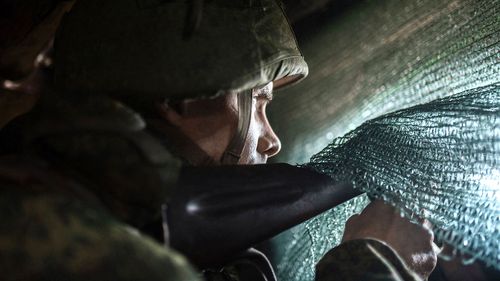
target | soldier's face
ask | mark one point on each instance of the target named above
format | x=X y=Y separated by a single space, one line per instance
x=212 y=123
x=261 y=142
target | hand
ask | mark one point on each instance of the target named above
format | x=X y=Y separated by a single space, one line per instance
x=413 y=243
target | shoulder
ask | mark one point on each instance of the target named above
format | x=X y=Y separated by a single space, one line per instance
x=48 y=232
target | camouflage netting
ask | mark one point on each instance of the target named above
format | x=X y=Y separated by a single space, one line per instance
x=442 y=157
x=439 y=61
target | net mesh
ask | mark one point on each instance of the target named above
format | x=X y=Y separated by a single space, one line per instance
x=442 y=157
x=441 y=61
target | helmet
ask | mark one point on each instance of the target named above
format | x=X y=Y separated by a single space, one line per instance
x=138 y=50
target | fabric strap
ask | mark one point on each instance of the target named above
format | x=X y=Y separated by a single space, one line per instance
x=234 y=150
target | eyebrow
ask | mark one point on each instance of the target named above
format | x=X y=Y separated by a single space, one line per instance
x=267 y=95
x=262 y=93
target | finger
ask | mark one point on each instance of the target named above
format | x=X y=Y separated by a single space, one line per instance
x=379 y=208
x=426 y=223
x=424 y=234
x=350 y=228
x=352 y=220
x=427 y=226
x=437 y=250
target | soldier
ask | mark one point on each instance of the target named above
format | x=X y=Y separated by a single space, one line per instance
x=138 y=90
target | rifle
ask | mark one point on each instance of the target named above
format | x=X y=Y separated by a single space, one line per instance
x=218 y=212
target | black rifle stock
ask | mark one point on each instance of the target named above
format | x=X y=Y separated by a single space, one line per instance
x=218 y=212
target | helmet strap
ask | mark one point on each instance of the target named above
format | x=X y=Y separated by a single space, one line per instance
x=190 y=152
x=234 y=150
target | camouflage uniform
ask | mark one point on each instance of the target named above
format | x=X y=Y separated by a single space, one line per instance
x=81 y=172
x=73 y=198
x=365 y=259
x=53 y=229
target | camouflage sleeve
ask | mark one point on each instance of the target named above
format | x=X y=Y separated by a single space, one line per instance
x=366 y=259
x=53 y=236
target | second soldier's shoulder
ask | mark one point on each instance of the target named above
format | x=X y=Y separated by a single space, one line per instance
x=22 y=178
x=52 y=229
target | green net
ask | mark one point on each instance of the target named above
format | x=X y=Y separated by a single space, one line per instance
x=438 y=60
x=442 y=157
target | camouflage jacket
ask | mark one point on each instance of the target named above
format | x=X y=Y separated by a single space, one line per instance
x=53 y=233
x=365 y=259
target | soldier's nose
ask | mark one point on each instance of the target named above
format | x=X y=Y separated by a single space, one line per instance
x=269 y=143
